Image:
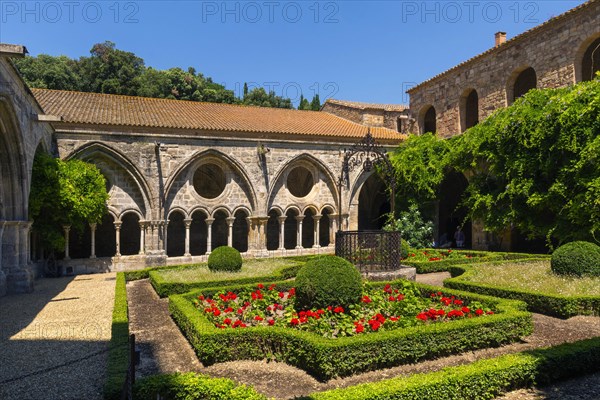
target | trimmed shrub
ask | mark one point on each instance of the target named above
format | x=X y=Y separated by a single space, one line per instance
x=576 y=258
x=192 y=386
x=225 y=258
x=328 y=281
x=118 y=351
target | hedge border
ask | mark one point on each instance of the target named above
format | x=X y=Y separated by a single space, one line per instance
x=118 y=351
x=425 y=267
x=326 y=358
x=547 y=304
x=483 y=379
x=165 y=288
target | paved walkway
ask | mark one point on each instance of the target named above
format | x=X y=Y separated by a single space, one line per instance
x=54 y=341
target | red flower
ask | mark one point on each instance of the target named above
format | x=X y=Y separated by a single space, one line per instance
x=490 y=313
x=216 y=312
x=391 y=298
x=271 y=322
x=422 y=317
x=338 y=310
x=466 y=310
x=479 y=311
x=329 y=308
x=227 y=321
x=387 y=288
x=258 y=318
x=458 y=302
x=292 y=292
x=200 y=297
x=400 y=297
x=359 y=327
x=374 y=324
x=272 y=287
x=294 y=321
x=366 y=299
x=228 y=310
x=240 y=311
x=261 y=286
x=281 y=295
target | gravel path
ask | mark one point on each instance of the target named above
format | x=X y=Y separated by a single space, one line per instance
x=169 y=351
x=54 y=341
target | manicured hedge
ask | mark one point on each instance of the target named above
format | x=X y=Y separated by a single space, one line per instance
x=425 y=267
x=165 y=287
x=484 y=379
x=328 y=358
x=548 y=304
x=118 y=354
x=192 y=386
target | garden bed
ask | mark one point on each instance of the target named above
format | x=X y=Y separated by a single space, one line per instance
x=326 y=358
x=532 y=282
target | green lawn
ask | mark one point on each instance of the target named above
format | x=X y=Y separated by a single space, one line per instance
x=533 y=276
x=251 y=268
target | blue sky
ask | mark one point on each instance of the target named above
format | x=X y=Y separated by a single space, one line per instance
x=353 y=50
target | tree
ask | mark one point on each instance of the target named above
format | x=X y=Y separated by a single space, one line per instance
x=303 y=104
x=64 y=193
x=315 y=104
x=48 y=72
x=260 y=97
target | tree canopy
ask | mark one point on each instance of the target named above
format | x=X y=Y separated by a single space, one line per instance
x=64 y=193
x=534 y=166
x=113 y=71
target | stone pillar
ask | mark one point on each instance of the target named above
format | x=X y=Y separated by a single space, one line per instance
x=25 y=243
x=230 y=222
x=281 y=220
x=93 y=240
x=262 y=233
x=209 y=222
x=142 y=237
x=188 y=224
x=67 y=229
x=3 y=289
x=19 y=278
x=333 y=221
x=346 y=221
x=118 y=238
x=316 y=242
x=299 y=219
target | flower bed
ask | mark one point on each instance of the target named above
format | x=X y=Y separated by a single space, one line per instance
x=395 y=306
x=326 y=358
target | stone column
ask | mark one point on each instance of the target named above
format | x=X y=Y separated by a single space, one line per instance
x=188 y=224
x=230 y=222
x=25 y=243
x=3 y=289
x=67 y=229
x=262 y=233
x=118 y=238
x=142 y=237
x=346 y=221
x=316 y=242
x=209 y=222
x=333 y=221
x=281 y=220
x=93 y=240
x=299 y=219
x=19 y=278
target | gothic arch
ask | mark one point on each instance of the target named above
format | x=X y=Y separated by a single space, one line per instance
x=427 y=118
x=588 y=51
x=469 y=109
x=520 y=81
x=94 y=152
x=179 y=176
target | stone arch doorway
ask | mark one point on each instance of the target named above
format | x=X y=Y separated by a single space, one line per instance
x=176 y=234
x=522 y=82
x=130 y=234
x=308 y=228
x=220 y=229
x=106 y=243
x=450 y=213
x=240 y=231
x=469 y=112
x=373 y=204
x=273 y=230
x=325 y=228
x=428 y=119
x=198 y=233
x=291 y=229
x=590 y=62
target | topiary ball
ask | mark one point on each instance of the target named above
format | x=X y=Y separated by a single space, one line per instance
x=225 y=258
x=576 y=258
x=327 y=281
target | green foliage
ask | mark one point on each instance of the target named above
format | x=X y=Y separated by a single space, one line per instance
x=192 y=385
x=548 y=304
x=417 y=232
x=118 y=353
x=404 y=248
x=536 y=164
x=426 y=266
x=576 y=258
x=328 y=358
x=225 y=258
x=64 y=193
x=483 y=379
x=328 y=281
x=114 y=71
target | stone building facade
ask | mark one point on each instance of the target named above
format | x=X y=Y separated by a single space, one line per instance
x=186 y=177
x=23 y=131
x=559 y=52
x=391 y=116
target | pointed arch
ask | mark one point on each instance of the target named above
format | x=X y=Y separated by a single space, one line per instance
x=93 y=151
x=587 y=58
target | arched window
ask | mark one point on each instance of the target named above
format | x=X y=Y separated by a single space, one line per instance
x=590 y=64
x=428 y=122
x=469 y=112
x=524 y=82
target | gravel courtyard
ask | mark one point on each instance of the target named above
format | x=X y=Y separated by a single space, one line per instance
x=53 y=342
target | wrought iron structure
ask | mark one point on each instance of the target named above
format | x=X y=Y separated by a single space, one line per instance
x=370 y=251
x=366 y=154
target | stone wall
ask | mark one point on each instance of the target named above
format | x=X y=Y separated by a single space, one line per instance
x=371 y=116
x=554 y=50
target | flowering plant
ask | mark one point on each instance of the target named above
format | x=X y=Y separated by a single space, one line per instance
x=391 y=307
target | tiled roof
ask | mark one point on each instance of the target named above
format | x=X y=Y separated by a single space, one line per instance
x=106 y=109
x=510 y=42
x=362 y=106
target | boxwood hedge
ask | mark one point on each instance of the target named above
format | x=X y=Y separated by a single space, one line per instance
x=484 y=379
x=548 y=304
x=328 y=358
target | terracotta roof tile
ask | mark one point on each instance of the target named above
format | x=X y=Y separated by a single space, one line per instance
x=510 y=42
x=106 y=109
x=362 y=106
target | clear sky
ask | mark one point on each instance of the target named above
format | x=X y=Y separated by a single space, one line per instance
x=353 y=50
